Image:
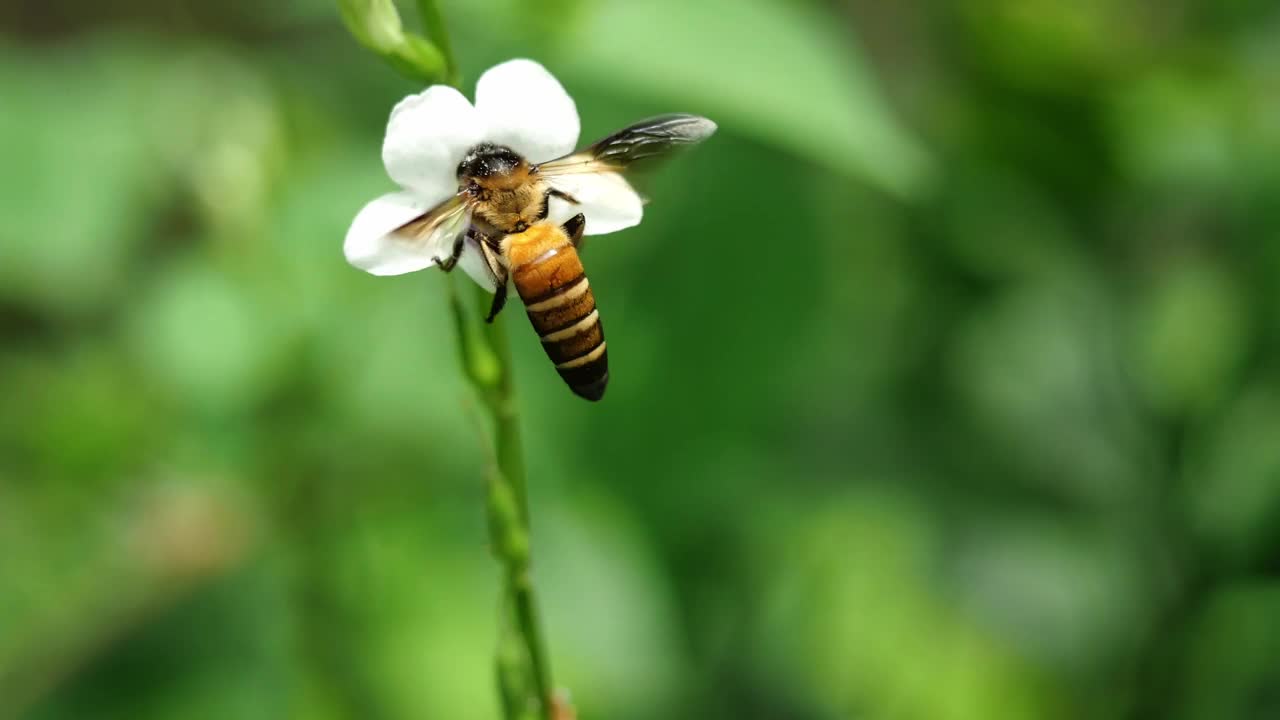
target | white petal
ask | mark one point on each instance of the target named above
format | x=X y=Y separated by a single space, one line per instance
x=427 y=136
x=472 y=262
x=525 y=108
x=370 y=247
x=607 y=199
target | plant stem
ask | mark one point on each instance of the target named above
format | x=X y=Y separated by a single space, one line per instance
x=502 y=407
x=531 y=631
x=486 y=358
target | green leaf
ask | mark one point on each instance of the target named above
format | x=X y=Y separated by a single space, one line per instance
x=1189 y=338
x=851 y=605
x=74 y=193
x=778 y=71
x=592 y=568
x=200 y=336
x=1232 y=490
x=1231 y=666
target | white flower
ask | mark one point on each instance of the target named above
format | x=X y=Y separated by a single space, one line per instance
x=518 y=104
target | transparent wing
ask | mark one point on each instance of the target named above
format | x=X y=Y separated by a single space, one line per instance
x=434 y=232
x=634 y=147
x=598 y=181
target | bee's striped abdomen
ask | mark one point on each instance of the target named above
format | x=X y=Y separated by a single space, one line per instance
x=558 y=298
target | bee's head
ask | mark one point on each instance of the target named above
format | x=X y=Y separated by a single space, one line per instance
x=489 y=162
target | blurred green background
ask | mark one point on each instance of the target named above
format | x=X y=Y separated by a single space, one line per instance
x=945 y=376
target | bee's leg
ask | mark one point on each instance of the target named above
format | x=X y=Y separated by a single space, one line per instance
x=546 y=201
x=499 y=301
x=452 y=261
x=573 y=227
x=563 y=196
x=499 y=274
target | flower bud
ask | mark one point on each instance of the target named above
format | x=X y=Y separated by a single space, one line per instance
x=375 y=23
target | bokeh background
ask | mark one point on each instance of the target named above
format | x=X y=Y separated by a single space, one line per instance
x=944 y=385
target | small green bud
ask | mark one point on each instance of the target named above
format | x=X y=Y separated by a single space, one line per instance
x=427 y=60
x=375 y=23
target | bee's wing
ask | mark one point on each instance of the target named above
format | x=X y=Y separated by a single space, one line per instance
x=634 y=147
x=594 y=177
x=437 y=232
x=396 y=233
x=433 y=233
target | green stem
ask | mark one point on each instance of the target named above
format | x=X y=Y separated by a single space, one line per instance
x=486 y=361
x=531 y=631
x=503 y=409
x=486 y=357
x=511 y=673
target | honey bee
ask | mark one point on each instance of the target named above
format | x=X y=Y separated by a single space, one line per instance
x=501 y=210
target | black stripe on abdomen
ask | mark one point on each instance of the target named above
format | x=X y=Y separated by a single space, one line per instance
x=562 y=309
x=587 y=377
x=569 y=327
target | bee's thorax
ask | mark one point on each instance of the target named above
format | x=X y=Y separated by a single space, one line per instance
x=505 y=191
